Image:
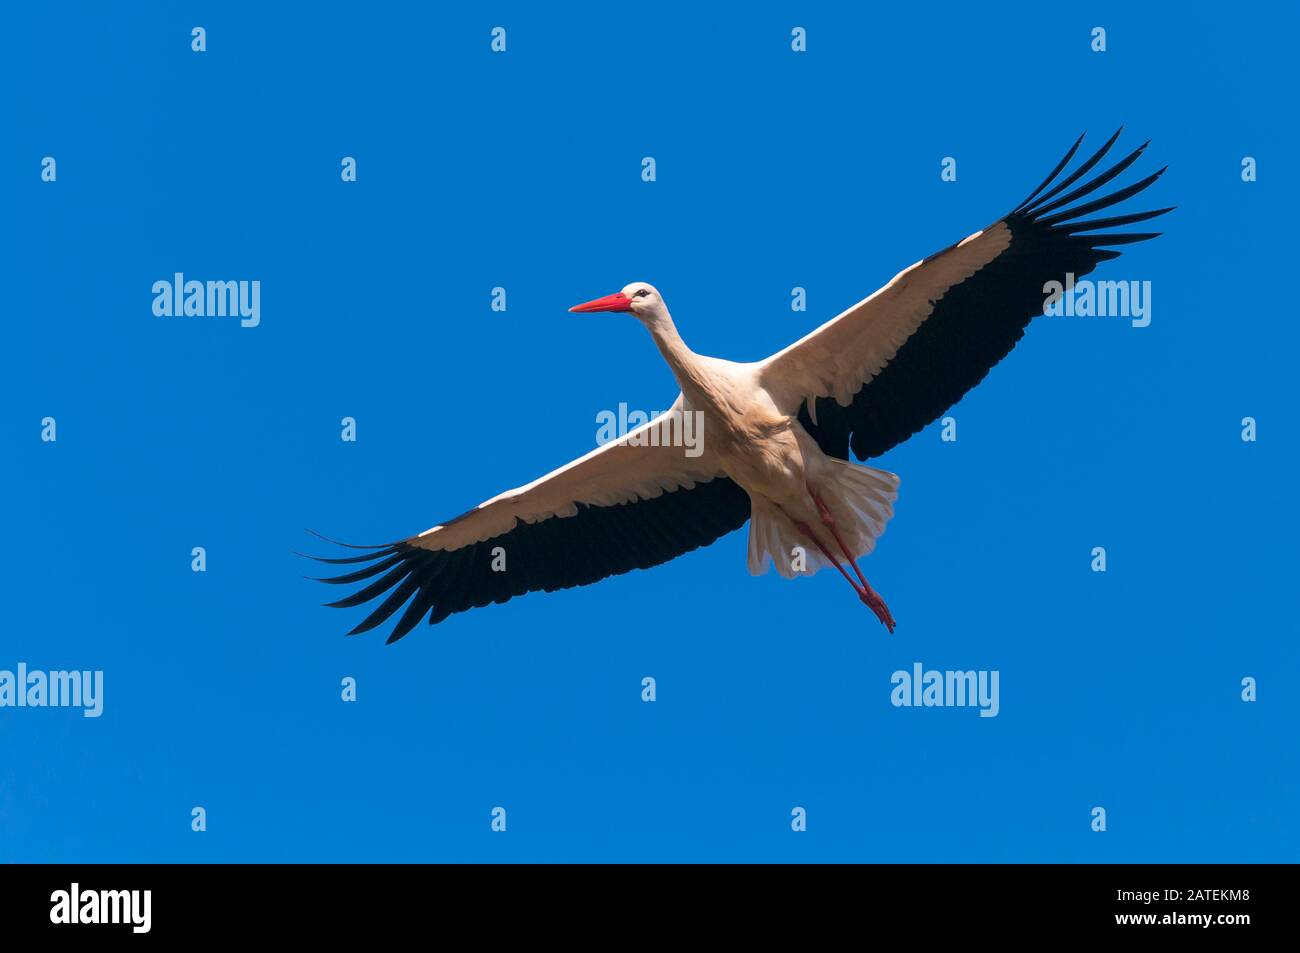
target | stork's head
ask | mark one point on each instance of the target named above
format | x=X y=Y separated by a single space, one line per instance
x=641 y=299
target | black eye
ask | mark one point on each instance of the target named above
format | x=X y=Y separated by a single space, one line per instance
x=641 y=294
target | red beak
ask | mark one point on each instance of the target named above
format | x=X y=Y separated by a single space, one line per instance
x=614 y=302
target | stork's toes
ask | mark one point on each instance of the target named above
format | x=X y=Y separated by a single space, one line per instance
x=877 y=605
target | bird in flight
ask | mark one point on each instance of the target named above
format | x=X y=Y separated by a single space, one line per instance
x=777 y=434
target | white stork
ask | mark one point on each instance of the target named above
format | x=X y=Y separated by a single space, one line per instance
x=776 y=433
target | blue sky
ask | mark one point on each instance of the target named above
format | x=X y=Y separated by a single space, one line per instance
x=522 y=170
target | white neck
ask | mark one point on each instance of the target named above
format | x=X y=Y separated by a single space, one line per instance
x=684 y=362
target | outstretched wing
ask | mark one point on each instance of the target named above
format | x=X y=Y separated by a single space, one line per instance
x=893 y=363
x=633 y=503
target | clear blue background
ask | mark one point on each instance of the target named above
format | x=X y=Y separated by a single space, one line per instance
x=523 y=170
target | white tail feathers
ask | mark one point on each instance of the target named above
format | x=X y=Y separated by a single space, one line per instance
x=861 y=501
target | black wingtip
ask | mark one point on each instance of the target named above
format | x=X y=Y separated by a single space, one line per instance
x=1037 y=206
x=346 y=545
x=1040 y=216
x=1114 y=221
x=369 y=622
x=1124 y=238
x=372 y=621
x=341 y=561
x=1053 y=174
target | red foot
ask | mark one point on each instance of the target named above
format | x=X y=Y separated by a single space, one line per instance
x=872 y=601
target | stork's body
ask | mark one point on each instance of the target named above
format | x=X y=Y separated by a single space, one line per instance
x=799 y=496
x=756 y=444
x=777 y=434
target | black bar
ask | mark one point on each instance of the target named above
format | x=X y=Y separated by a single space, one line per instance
x=335 y=902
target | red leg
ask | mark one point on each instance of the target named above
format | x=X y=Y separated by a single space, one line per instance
x=829 y=522
x=867 y=594
x=803 y=528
